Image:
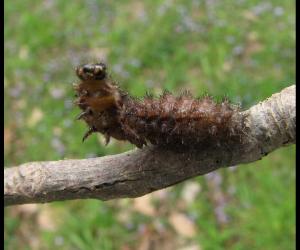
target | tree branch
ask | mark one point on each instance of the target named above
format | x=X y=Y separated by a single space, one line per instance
x=269 y=125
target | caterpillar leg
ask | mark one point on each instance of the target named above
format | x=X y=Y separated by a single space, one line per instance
x=107 y=139
x=88 y=111
x=88 y=133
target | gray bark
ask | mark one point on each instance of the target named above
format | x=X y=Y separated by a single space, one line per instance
x=269 y=125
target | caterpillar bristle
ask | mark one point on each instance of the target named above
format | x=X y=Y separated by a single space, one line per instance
x=148 y=95
x=185 y=94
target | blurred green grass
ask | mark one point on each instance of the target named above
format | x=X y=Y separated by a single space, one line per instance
x=242 y=49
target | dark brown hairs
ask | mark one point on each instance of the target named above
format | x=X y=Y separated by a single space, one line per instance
x=170 y=121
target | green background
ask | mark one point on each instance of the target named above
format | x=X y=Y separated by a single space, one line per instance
x=241 y=49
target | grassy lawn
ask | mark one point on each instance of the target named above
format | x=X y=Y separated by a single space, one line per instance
x=241 y=49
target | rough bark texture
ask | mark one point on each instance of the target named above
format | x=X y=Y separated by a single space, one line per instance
x=269 y=125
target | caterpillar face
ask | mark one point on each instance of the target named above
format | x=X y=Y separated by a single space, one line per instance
x=91 y=71
x=98 y=98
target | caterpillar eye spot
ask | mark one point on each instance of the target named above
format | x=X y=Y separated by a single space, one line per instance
x=97 y=70
x=91 y=71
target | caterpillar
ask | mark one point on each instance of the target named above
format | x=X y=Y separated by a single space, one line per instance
x=170 y=121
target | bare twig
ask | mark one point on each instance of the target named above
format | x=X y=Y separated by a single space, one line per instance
x=269 y=125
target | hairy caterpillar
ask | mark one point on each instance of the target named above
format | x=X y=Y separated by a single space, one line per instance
x=171 y=121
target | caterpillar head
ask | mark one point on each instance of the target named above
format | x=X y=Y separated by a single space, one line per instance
x=91 y=71
x=99 y=99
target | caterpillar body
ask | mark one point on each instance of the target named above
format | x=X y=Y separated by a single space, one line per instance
x=168 y=120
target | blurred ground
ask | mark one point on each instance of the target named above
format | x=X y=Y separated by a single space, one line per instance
x=242 y=49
